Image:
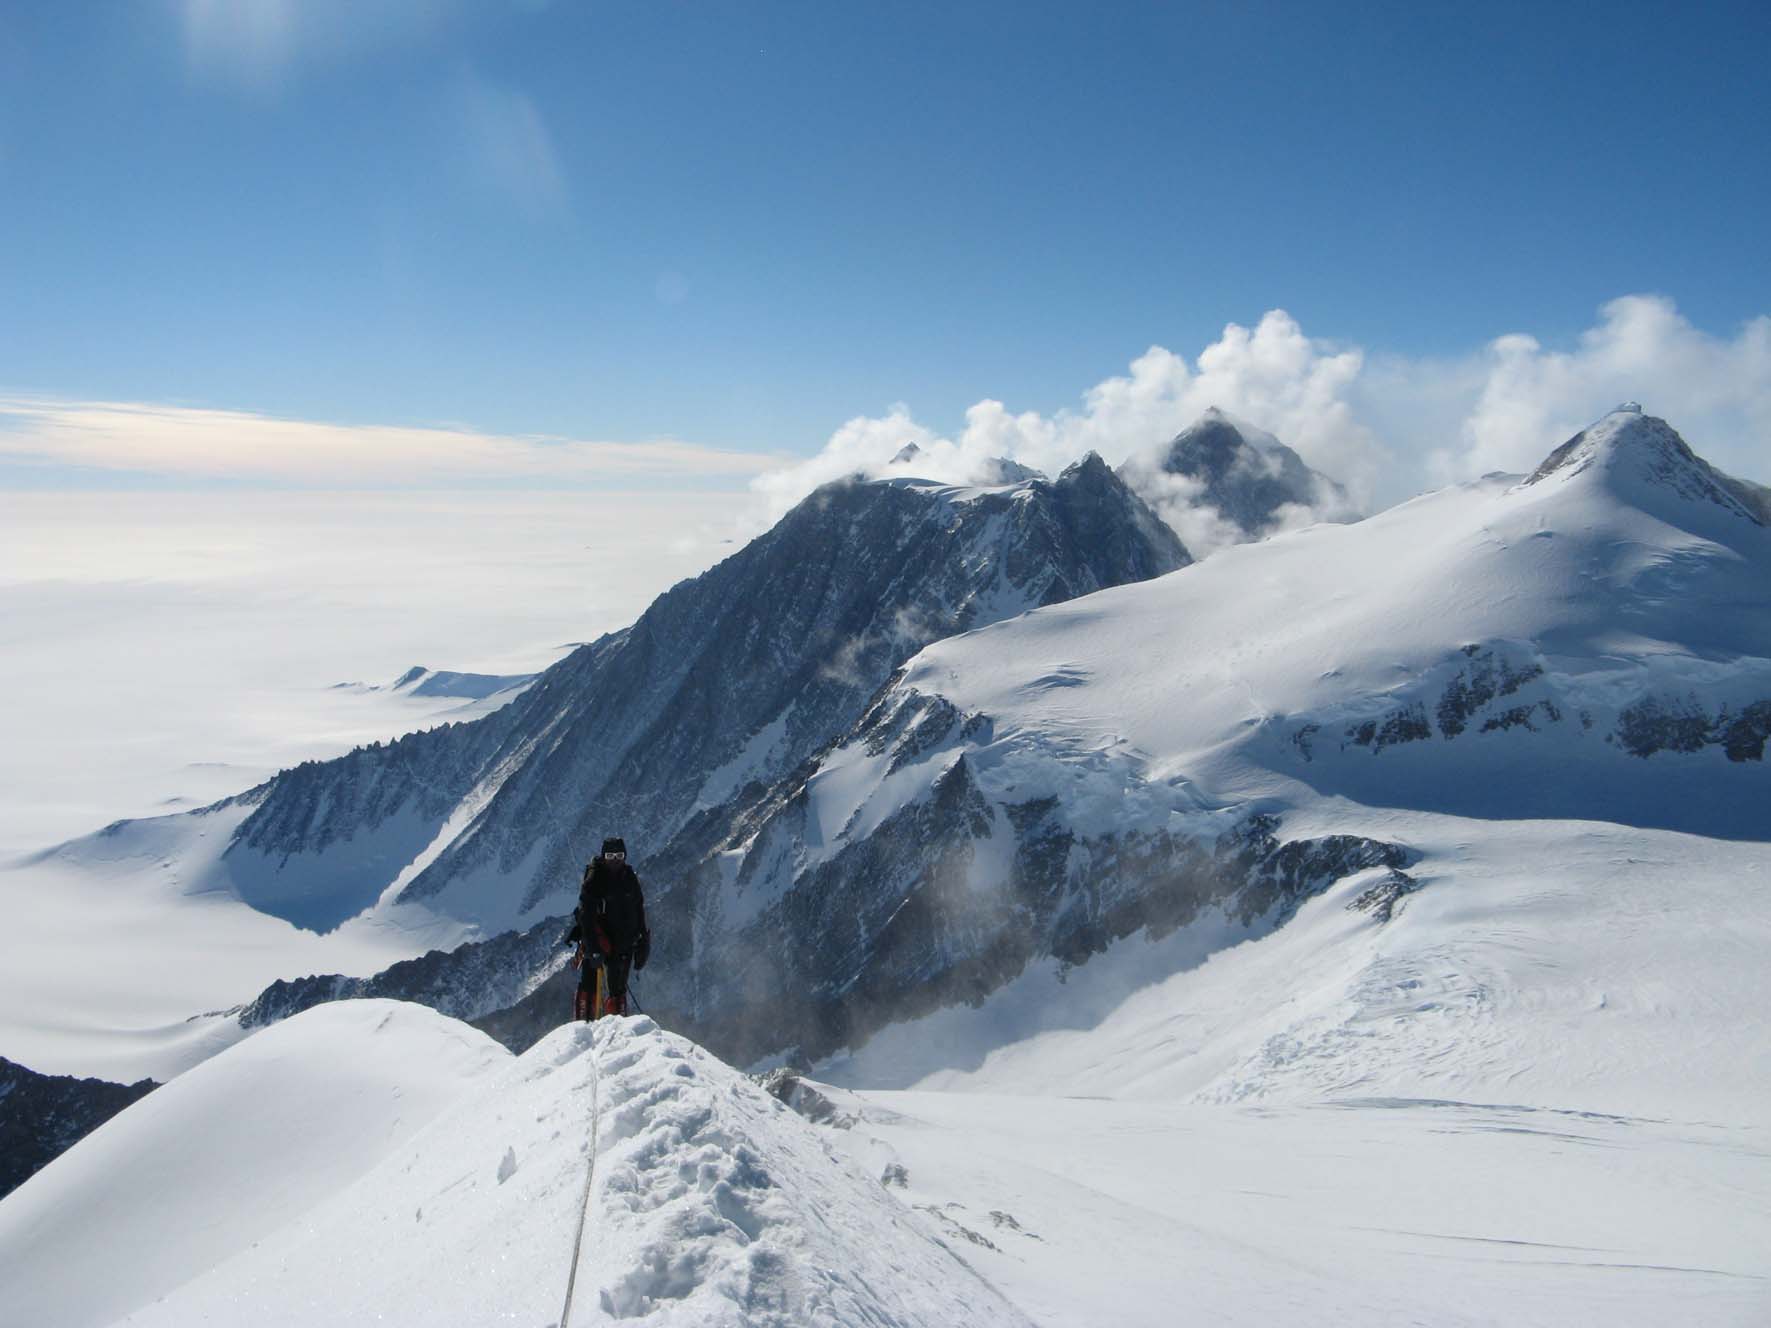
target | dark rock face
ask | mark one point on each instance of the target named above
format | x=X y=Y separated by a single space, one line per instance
x=1245 y=481
x=42 y=1116
x=792 y=1089
x=1487 y=676
x=1406 y=724
x=1383 y=899
x=734 y=677
x=898 y=923
x=758 y=667
x=463 y=982
x=1685 y=724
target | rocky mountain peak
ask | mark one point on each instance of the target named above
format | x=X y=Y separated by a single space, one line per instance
x=1090 y=470
x=1245 y=476
x=727 y=682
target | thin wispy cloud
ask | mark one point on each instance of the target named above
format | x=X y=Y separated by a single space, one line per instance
x=237 y=446
x=262 y=44
x=507 y=147
x=1386 y=426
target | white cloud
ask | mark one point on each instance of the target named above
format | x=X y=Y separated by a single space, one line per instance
x=202 y=444
x=1385 y=426
x=1715 y=391
x=1271 y=374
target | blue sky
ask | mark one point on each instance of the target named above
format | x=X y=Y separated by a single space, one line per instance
x=740 y=225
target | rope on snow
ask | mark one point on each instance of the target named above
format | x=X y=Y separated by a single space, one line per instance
x=589 y=1175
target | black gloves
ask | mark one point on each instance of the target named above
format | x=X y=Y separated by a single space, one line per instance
x=643 y=950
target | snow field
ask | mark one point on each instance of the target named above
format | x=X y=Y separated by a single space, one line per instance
x=1537 y=1095
x=1150 y=1214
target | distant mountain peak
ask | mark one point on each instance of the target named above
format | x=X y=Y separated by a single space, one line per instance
x=1641 y=456
x=1242 y=474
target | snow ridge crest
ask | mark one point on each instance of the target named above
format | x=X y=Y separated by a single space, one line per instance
x=1638 y=456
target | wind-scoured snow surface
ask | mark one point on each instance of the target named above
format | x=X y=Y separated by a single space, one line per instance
x=373 y=1162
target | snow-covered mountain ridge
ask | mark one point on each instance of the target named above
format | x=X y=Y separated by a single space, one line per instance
x=1215 y=932
x=1137 y=760
x=1582 y=602
x=1581 y=646
x=726 y=682
x=1644 y=453
x=735 y=676
x=374 y=1162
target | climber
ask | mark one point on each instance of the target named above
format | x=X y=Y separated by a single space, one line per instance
x=609 y=929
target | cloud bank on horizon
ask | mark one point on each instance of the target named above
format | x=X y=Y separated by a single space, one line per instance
x=207 y=445
x=1386 y=426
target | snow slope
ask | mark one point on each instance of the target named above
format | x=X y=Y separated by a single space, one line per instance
x=1559 y=965
x=1149 y=1213
x=1589 y=591
x=223 y=1156
x=1591 y=644
x=389 y=1165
